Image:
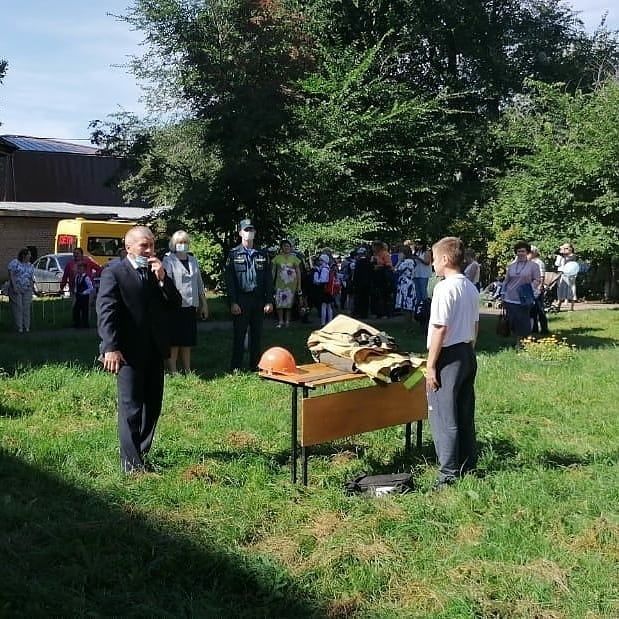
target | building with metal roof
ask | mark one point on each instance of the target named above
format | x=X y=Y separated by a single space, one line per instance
x=47 y=170
x=66 y=210
x=43 y=145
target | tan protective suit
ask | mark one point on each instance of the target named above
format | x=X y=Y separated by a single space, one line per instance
x=363 y=348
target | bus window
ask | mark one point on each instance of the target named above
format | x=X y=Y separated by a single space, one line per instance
x=104 y=246
x=66 y=243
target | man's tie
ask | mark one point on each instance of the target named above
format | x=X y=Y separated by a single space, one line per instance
x=143 y=273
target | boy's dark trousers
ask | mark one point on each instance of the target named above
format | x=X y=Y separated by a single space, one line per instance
x=81 y=307
x=451 y=411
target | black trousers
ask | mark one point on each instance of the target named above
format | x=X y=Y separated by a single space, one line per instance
x=538 y=315
x=451 y=411
x=251 y=317
x=81 y=307
x=140 y=394
x=361 y=303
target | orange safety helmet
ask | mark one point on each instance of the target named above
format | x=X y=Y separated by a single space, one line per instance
x=277 y=360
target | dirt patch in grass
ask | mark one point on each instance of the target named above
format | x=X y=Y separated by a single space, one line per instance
x=373 y=551
x=10 y=443
x=469 y=534
x=241 y=439
x=333 y=552
x=11 y=394
x=542 y=570
x=529 y=377
x=201 y=472
x=345 y=607
x=517 y=609
x=325 y=524
x=343 y=457
x=417 y=595
x=548 y=571
x=283 y=548
x=389 y=509
x=602 y=536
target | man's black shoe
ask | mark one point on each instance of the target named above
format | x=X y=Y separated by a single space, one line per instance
x=441 y=484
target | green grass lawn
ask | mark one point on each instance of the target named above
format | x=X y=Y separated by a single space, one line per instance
x=221 y=532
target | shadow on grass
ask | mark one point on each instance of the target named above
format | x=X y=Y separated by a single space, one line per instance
x=272 y=460
x=560 y=459
x=10 y=412
x=211 y=356
x=581 y=337
x=67 y=552
x=495 y=455
x=78 y=348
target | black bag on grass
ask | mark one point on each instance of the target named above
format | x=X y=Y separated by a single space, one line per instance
x=379 y=485
x=502 y=325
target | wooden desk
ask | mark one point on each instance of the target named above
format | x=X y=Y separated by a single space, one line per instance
x=331 y=416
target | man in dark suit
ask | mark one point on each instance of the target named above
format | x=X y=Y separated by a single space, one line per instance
x=135 y=297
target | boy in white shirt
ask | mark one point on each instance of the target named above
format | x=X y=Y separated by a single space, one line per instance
x=451 y=365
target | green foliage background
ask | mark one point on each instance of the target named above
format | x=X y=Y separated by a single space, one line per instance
x=438 y=117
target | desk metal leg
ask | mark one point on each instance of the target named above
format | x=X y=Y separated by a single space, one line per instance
x=407 y=436
x=293 y=433
x=419 y=434
x=304 y=456
x=304 y=450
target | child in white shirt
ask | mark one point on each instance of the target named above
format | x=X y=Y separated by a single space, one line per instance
x=452 y=365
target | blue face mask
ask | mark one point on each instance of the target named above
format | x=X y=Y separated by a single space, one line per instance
x=141 y=261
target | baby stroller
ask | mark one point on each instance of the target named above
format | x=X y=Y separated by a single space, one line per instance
x=491 y=294
x=551 y=284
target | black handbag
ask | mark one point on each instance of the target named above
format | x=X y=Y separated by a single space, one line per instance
x=379 y=485
x=502 y=325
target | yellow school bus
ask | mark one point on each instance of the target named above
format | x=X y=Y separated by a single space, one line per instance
x=100 y=240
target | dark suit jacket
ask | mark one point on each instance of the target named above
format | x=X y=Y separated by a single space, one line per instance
x=132 y=317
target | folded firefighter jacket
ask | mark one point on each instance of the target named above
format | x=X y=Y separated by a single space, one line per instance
x=351 y=345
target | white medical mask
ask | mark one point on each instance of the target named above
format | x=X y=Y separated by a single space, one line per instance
x=248 y=235
x=141 y=261
x=182 y=247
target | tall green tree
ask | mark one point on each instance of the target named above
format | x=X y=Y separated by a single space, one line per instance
x=291 y=110
x=486 y=48
x=370 y=144
x=226 y=68
x=563 y=179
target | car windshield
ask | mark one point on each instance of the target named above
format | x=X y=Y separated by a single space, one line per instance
x=62 y=260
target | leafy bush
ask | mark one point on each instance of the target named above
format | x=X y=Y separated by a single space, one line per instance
x=209 y=255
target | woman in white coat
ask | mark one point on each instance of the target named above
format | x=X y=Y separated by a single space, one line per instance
x=183 y=269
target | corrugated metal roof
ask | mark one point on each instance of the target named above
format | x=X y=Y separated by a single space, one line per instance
x=66 y=209
x=47 y=145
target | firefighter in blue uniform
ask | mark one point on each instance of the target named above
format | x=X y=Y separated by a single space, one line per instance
x=249 y=283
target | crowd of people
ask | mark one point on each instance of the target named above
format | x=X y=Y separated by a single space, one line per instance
x=369 y=281
x=147 y=309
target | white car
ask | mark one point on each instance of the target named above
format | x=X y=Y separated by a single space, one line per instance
x=48 y=272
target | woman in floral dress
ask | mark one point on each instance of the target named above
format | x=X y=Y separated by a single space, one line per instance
x=405 y=291
x=287 y=276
